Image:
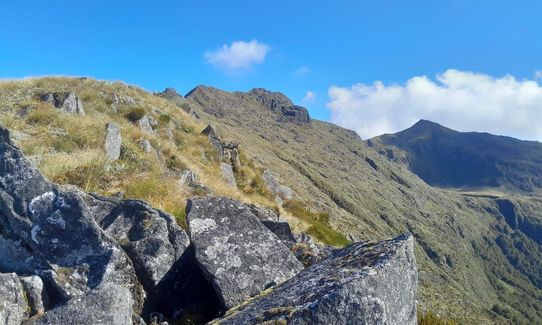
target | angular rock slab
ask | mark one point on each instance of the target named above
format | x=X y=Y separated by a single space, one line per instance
x=236 y=252
x=13 y=307
x=109 y=304
x=112 y=141
x=364 y=283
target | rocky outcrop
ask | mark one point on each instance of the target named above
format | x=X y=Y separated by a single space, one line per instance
x=214 y=140
x=112 y=141
x=238 y=254
x=107 y=304
x=281 y=104
x=364 y=283
x=13 y=307
x=65 y=102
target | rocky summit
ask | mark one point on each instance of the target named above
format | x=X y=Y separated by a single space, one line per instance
x=72 y=257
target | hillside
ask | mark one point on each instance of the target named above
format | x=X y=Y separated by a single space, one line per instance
x=447 y=158
x=367 y=196
x=477 y=262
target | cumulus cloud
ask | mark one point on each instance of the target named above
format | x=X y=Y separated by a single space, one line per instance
x=302 y=71
x=238 y=55
x=309 y=96
x=461 y=100
x=538 y=74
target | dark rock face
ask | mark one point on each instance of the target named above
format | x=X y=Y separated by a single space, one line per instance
x=364 y=283
x=108 y=304
x=279 y=103
x=66 y=102
x=237 y=253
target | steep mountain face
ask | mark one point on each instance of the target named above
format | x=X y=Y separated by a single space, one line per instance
x=444 y=157
x=474 y=263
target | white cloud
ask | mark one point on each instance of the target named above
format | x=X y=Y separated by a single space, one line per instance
x=461 y=100
x=239 y=55
x=538 y=74
x=309 y=96
x=302 y=71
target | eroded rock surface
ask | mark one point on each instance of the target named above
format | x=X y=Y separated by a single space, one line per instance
x=109 y=304
x=364 y=283
x=237 y=253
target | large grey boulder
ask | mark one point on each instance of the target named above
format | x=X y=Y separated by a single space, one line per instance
x=13 y=307
x=53 y=229
x=364 y=283
x=66 y=102
x=151 y=238
x=109 y=304
x=159 y=249
x=236 y=252
x=112 y=141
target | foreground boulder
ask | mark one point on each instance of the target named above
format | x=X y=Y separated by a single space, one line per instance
x=364 y=283
x=109 y=304
x=236 y=252
x=49 y=231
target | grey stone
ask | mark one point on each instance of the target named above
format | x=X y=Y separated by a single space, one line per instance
x=13 y=307
x=36 y=296
x=146 y=145
x=108 y=304
x=145 y=124
x=112 y=141
x=55 y=230
x=237 y=253
x=66 y=102
x=151 y=238
x=227 y=172
x=364 y=283
x=187 y=177
x=284 y=192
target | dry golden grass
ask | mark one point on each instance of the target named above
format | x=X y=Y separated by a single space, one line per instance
x=68 y=149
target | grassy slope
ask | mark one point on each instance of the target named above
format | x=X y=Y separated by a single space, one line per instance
x=370 y=197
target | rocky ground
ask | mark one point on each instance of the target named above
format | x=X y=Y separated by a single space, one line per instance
x=71 y=257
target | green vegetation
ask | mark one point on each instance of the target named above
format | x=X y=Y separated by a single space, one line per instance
x=319 y=223
x=135 y=114
x=430 y=318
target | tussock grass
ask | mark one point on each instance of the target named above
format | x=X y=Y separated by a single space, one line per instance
x=69 y=149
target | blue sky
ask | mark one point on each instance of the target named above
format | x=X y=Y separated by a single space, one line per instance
x=309 y=45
